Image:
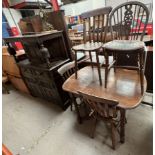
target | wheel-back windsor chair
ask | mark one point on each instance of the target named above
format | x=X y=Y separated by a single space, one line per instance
x=102 y=109
x=129 y=21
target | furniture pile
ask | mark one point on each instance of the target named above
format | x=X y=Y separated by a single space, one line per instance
x=125 y=84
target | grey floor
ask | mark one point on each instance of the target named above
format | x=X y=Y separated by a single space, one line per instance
x=32 y=126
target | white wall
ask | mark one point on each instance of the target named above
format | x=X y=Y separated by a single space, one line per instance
x=115 y=3
x=82 y=6
x=86 y=5
x=14 y=2
x=143 y=1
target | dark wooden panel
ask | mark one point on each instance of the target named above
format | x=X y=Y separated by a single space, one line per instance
x=46 y=84
x=149 y=70
x=46 y=52
x=57 y=19
x=126 y=59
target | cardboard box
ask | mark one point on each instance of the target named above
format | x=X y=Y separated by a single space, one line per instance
x=9 y=65
x=18 y=83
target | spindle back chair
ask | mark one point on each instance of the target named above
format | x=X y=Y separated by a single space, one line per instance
x=129 y=20
x=66 y=71
x=95 y=28
x=95 y=24
x=103 y=109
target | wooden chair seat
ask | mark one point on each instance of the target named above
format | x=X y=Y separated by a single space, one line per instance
x=81 y=55
x=124 y=45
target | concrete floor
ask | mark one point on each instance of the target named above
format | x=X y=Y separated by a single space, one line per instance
x=32 y=126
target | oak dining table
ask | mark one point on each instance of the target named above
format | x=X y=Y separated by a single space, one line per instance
x=123 y=86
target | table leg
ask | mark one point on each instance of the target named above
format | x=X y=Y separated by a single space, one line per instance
x=122 y=125
x=90 y=56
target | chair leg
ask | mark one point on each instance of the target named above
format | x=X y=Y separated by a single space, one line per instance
x=93 y=130
x=71 y=101
x=76 y=68
x=106 y=76
x=113 y=135
x=106 y=69
x=85 y=109
x=99 y=68
x=71 y=107
x=142 y=81
x=91 y=59
x=115 y=59
x=141 y=73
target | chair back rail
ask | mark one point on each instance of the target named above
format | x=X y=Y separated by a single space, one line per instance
x=95 y=24
x=67 y=70
x=129 y=20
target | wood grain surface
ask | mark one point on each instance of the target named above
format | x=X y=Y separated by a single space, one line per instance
x=123 y=86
